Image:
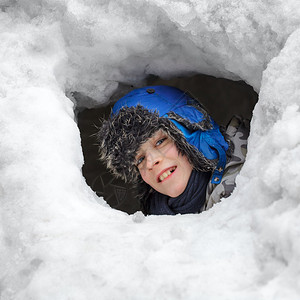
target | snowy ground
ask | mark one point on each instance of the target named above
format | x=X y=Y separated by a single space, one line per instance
x=57 y=242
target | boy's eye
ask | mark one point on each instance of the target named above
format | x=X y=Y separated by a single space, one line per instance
x=160 y=141
x=139 y=160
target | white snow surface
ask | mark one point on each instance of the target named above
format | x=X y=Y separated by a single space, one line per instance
x=58 y=240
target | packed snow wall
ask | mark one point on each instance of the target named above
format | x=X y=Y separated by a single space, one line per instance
x=58 y=239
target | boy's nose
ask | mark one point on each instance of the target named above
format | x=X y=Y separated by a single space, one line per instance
x=153 y=159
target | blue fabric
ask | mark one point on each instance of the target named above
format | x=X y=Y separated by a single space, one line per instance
x=165 y=99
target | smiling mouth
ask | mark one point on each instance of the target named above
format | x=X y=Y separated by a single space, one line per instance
x=166 y=174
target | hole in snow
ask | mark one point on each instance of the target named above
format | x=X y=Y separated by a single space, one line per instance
x=222 y=98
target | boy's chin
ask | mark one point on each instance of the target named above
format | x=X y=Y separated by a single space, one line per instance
x=178 y=192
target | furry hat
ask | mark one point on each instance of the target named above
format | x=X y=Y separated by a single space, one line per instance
x=140 y=114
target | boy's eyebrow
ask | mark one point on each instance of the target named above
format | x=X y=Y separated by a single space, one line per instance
x=139 y=152
x=159 y=134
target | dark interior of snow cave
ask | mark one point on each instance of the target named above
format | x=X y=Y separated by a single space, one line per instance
x=221 y=97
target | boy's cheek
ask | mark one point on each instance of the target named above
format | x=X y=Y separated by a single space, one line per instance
x=143 y=173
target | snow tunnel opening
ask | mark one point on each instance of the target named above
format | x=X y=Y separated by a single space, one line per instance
x=222 y=98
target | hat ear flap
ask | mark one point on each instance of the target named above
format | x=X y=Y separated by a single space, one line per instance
x=102 y=138
x=204 y=125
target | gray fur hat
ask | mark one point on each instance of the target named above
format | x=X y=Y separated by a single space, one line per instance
x=139 y=115
x=121 y=136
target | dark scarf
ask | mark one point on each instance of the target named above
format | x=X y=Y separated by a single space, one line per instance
x=190 y=201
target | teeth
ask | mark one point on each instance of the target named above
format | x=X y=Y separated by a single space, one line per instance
x=165 y=174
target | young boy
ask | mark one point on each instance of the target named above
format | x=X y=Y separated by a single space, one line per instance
x=162 y=139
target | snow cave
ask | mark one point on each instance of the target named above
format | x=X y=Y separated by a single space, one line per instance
x=64 y=59
x=223 y=99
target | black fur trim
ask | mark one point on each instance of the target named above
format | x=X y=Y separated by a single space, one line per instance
x=203 y=125
x=121 y=136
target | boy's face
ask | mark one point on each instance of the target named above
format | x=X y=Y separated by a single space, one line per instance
x=162 y=167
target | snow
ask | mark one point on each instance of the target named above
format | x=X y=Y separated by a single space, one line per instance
x=58 y=239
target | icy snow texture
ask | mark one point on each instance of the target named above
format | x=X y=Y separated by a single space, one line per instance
x=58 y=240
